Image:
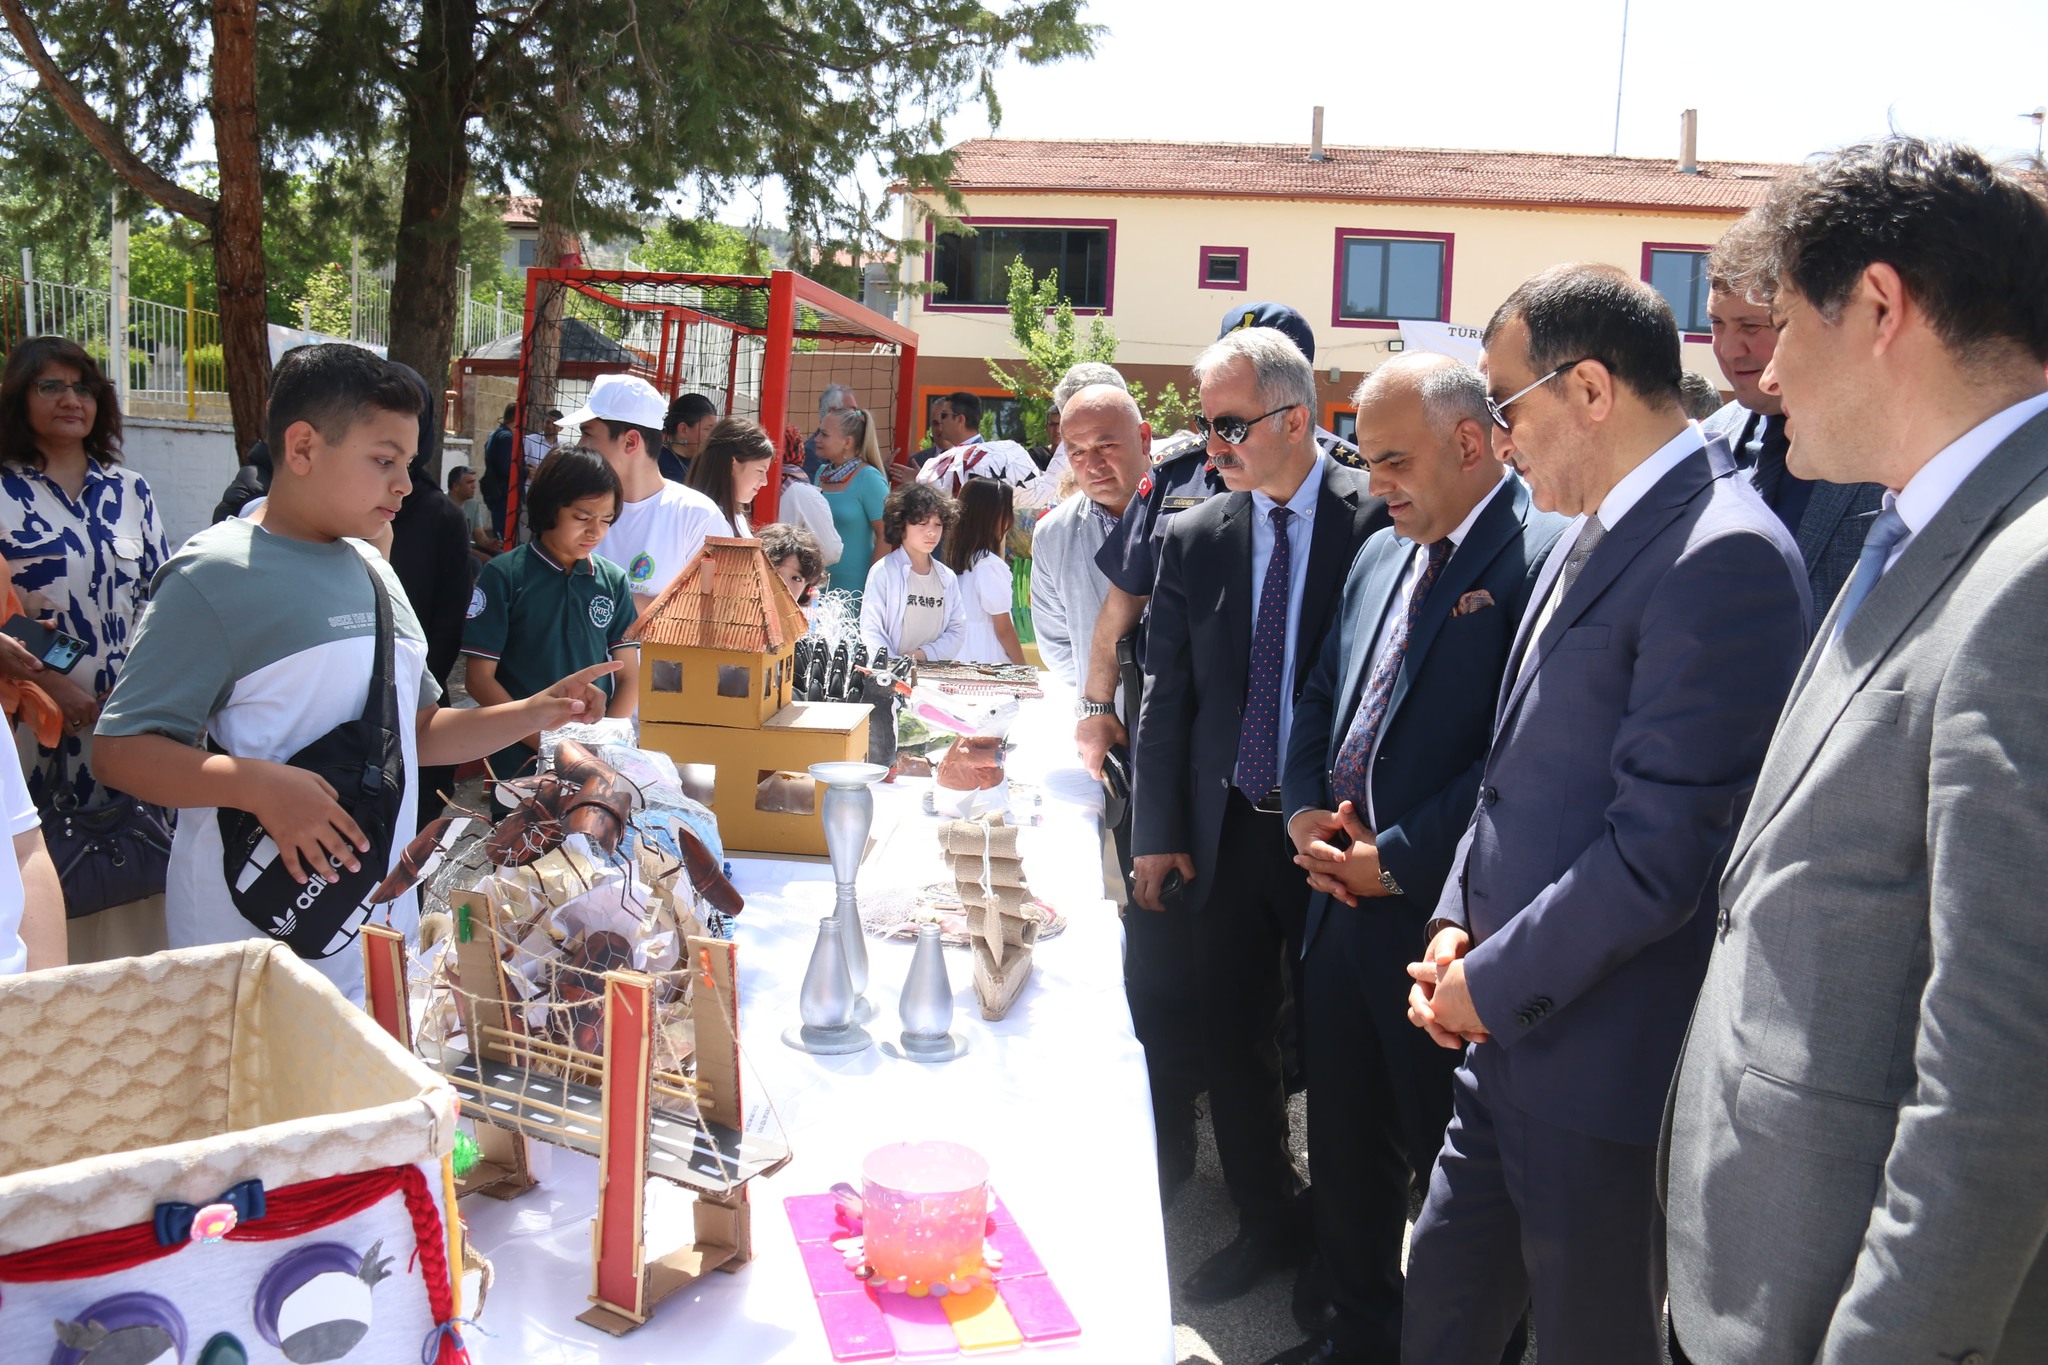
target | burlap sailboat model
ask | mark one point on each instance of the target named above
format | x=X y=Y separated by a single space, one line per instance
x=989 y=876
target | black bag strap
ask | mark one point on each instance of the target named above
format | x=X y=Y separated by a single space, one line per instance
x=380 y=707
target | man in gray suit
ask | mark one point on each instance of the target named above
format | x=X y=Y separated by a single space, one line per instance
x=1827 y=519
x=1659 y=642
x=1857 y=1162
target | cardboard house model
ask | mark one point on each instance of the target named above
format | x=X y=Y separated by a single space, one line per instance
x=717 y=670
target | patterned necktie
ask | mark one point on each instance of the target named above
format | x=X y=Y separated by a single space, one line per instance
x=1258 y=743
x=1887 y=530
x=1768 y=474
x=1590 y=536
x=1348 y=781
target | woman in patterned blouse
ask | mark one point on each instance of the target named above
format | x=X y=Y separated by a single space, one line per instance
x=82 y=542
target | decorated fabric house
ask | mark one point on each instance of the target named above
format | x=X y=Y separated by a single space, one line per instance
x=717 y=671
x=211 y=1158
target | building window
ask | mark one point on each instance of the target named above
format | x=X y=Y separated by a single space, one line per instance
x=1679 y=273
x=1383 y=277
x=668 y=675
x=735 y=680
x=974 y=271
x=527 y=246
x=1223 y=267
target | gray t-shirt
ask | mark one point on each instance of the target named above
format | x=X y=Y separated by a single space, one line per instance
x=264 y=644
x=924 y=611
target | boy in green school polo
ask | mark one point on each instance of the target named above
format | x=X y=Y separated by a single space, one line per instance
x=552 y=600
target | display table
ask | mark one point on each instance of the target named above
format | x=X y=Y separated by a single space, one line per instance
x=1054 y=1096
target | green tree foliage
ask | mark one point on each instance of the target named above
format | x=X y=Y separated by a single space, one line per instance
x=396 y=110
x=1043 y=329
x=702 y=248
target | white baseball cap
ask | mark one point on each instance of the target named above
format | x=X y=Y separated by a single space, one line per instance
x=620 y=398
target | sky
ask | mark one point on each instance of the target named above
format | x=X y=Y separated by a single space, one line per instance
x=1772 y=81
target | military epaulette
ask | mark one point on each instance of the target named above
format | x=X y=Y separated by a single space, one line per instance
x=1177 y=445
x=1345 y=453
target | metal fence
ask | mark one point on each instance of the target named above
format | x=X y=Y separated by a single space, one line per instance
x=483 y=321
x=165 y=360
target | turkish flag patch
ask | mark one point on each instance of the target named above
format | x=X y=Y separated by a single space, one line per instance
x=1144 y=485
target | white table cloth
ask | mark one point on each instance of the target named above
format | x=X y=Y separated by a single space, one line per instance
x=1054 y=1096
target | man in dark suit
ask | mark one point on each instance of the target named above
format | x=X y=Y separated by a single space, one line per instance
x=1827 y=519
x=1247 y=584
x=1382 y=775
x=1660 y=641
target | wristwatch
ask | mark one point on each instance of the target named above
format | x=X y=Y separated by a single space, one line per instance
x=1387 y=882
x=1085 y=708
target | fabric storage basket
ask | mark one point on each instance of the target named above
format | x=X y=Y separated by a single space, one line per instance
x=209 y=1156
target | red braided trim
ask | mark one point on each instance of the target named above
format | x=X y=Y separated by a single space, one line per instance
x=430 y=1244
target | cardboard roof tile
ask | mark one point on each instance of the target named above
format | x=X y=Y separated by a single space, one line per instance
x=730 y=599
x=1373 y=174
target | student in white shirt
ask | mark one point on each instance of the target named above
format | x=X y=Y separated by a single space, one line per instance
x=662 y=525
x=987 y=587
x=912 y=603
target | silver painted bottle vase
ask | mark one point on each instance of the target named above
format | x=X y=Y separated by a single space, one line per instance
x=825 y=1002
x=848 y=810
x=926 y=1006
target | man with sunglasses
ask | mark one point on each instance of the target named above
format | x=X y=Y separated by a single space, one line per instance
x=1247 y=585
x=1661 y=638
x=1181 y=478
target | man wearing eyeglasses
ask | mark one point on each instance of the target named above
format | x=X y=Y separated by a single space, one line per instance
x=1247 y=585
x=1382 y=774
x=1572 y=934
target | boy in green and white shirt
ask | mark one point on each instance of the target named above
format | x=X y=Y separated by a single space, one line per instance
x=261 y=636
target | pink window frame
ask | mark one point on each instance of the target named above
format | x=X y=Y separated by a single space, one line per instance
x=1244 y=267
x=934 y=303
x=1344 y=234
x=1693 y=247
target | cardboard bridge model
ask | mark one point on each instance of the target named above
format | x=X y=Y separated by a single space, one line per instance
x=637 y=1120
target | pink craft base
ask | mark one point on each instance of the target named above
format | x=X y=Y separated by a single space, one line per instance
x=864 y=1325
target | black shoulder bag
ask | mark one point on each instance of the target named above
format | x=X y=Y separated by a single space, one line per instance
x=365 y=764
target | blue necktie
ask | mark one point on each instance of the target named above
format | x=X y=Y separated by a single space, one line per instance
x=1348 y=781
x=1258 y=742
x=1885 y=532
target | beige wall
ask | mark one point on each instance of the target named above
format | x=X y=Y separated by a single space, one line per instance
x=1162 y=317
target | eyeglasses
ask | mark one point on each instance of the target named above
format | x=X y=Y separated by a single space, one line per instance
x=57 y=388
x=1233 y=430
x=1499 y=411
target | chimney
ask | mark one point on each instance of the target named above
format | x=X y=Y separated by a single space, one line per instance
x=1689 y=142
x=1315 y=137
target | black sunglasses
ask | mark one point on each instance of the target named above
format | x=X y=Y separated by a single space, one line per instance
x=1233 y=430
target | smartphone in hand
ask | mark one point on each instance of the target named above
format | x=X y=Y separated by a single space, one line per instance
x=51 y=646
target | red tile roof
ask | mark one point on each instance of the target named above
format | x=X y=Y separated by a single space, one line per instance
x=730 y=599
x=1252 y=170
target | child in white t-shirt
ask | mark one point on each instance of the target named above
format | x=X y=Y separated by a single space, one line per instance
x=912 y=603
x=987 y=587
x=661 y=525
